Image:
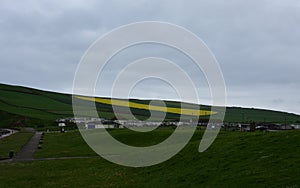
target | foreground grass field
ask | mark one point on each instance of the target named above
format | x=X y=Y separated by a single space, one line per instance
x=234 y=160
x=64 y=145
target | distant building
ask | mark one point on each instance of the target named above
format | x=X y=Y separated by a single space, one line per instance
x=286 y=127
x=97 y=126
x=296 y=126
x=61 y=124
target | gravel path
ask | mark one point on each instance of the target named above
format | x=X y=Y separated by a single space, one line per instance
x=27 y=152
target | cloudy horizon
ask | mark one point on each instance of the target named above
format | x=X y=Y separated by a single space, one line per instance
x=256 y=43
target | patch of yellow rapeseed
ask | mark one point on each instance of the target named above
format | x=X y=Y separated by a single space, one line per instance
x=124 y=103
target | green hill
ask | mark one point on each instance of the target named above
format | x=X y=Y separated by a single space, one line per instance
x=31 y=107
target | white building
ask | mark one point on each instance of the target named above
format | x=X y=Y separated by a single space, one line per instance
x=296 y=126
x=97 y=126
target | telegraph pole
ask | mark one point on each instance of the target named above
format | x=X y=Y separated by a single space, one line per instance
x=285 y=121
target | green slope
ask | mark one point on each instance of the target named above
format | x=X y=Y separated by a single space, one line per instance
x=32 y=106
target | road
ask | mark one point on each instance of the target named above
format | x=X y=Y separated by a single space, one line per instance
x=11 y=132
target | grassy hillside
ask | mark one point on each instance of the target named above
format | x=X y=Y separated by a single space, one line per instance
x=235 y=159
x=21 y=105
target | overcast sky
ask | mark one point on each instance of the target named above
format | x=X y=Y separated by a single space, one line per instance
x=256 y=42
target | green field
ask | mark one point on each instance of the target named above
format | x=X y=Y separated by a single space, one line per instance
x=36 y=108
x=64 y=145
x=235 y=159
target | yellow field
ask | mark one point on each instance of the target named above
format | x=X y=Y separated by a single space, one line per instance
x=116 y=102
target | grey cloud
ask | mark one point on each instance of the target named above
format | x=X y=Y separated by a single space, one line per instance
x=278 y=100
x=257 y=43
